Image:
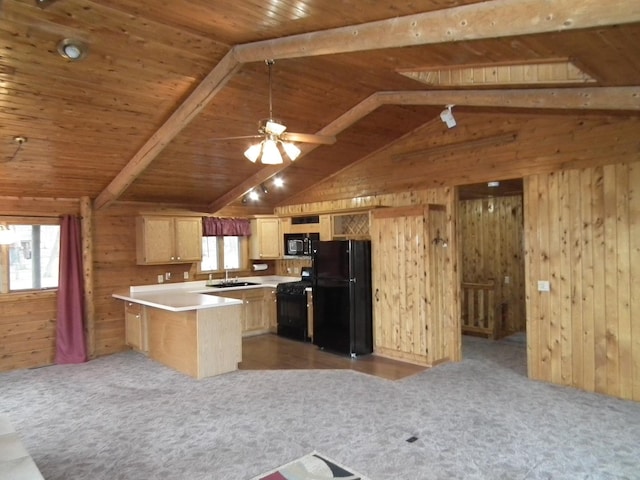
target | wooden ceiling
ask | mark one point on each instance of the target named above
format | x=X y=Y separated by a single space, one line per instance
x=139 y=117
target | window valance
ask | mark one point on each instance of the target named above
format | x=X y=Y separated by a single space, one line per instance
x=225 y=227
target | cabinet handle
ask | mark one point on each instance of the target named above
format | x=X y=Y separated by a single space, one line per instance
x=173 y=258
x=138 y=315
x=377 y=297
x=178 y=258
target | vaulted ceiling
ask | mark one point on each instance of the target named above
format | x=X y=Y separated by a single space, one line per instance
x=141 y=115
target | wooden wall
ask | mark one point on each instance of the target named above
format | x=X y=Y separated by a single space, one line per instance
x=582 y=231
x=27 y=320
x=492 y=247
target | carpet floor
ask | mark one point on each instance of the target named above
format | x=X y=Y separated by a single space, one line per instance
x=127 y=417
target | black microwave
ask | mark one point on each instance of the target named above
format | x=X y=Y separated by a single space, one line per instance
x=300 y=244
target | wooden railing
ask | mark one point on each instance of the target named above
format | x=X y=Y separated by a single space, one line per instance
x=479 y=309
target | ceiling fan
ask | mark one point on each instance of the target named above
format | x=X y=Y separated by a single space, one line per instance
x=275 y=137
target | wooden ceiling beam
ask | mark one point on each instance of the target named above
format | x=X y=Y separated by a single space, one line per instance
x=179 y=119
x=587 y=98
x=491 y=19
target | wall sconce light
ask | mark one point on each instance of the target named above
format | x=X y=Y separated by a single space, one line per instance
x=439 y=240
x=447 y=116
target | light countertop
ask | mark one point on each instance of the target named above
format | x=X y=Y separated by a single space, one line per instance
x=184 y=296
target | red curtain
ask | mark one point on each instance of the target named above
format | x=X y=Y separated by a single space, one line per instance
x=70 y=338
x=225 y=227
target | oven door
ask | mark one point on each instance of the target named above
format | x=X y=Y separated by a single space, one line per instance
x=292 y=316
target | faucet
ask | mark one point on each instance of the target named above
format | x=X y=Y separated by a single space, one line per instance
x=226 y=275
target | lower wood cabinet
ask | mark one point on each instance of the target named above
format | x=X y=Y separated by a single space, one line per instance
x=257 y=309
x=271 y=309
x=135 y=327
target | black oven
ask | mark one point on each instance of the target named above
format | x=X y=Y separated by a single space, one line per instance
x=300 y=244
x=292 y=307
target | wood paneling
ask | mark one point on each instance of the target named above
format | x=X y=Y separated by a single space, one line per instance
x=492 y=249
x=581 y=231
x=544 y=143
x=27 y=330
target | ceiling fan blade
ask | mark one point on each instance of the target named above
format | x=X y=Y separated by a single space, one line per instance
x=308 y=138
x=242 y=137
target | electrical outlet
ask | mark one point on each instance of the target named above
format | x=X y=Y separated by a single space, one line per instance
x=185 y=275
x=296 y=270
x=160 y=279
x=167 y=276
x=544 y=286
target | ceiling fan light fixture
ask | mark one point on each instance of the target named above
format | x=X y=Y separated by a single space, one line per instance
x=270 y=153
x=293 y=152
x=274 y=128
x=253 y=152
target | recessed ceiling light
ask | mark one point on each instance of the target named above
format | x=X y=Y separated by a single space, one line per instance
x=278 y=182
x=493 y=184
x=253 y=195
x=73 y=50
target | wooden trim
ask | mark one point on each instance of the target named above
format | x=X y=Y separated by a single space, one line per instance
x=493 y=141
x=87 y=267
x=392 y=212
x=583 y=98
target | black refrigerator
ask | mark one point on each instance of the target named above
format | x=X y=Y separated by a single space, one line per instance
x=342 y=297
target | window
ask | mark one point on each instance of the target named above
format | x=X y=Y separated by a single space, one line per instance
x=222 y=253
x=32 y=259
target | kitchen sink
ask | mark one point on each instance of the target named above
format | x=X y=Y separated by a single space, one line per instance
x=233 y=284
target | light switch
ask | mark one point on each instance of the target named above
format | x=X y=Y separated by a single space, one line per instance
x=543 y=286
x=507 y=280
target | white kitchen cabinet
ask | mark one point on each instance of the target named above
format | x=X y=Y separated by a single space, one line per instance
x=166 y=239
x=266 y=239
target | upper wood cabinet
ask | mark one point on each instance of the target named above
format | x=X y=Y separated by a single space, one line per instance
x=354 y=225
x=266 y=239
x=164 y=239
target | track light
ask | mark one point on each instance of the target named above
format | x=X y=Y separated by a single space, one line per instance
x=447 y=116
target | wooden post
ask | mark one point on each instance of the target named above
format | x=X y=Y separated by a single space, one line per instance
x=87 y=266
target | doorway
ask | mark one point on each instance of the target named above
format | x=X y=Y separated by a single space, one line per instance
x=491 y=223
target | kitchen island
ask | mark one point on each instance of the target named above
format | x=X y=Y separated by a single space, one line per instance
x=186 y=326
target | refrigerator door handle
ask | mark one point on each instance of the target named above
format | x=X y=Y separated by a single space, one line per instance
x=352 y=280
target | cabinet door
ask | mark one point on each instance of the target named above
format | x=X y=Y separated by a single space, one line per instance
x=253 y=310
x=266 y=238
x=155 y=236
x=270 y=310
x=399 y=285
x=188 y=239
x=134 y=327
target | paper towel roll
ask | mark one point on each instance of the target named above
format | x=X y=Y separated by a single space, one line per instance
x=259 y=266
